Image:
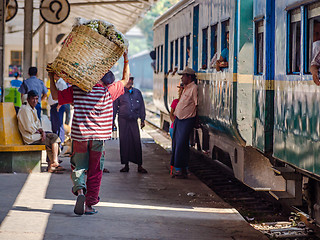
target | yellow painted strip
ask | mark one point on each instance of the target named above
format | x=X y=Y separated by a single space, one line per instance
x=245 y=78
x=204 y=76
x=258 y=82
x=214 y=76
x=22 y=148
x=282 y=85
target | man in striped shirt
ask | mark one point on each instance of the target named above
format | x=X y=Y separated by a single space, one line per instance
x=91 y=125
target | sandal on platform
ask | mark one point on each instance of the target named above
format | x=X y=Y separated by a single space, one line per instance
x=94 y=211
x=125 y=169
x=179 y=175
x=79 y=207
x=142 y=170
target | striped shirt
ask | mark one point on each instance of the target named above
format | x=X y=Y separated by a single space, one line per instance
x=93 y=111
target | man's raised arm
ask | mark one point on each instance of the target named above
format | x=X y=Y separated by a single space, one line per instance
x=126 y=69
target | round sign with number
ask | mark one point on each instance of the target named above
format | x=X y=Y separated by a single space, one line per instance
x=54 y=11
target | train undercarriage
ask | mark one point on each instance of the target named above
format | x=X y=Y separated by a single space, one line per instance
x=288 y=184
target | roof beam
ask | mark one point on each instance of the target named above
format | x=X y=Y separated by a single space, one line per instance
x=127 y=10
x=107 y=2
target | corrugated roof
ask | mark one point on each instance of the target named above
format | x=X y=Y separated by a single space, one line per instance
x=123 y=14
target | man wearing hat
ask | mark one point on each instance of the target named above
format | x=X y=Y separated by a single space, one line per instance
x=185 y=113
x=32 y=132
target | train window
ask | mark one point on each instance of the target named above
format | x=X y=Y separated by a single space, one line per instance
x=158 y=58
x=188 y=50
x=161 y=53
x=181 y=53
x=294 y=41
x=312 y=34
x=213 y=42
x=204 y=48
x=176 y=57
x=171 y=56
x=259 y=36
x=195 y=38
x=225 y=43
x=224 y=34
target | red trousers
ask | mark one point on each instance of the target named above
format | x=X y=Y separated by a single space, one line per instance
x=87 y=166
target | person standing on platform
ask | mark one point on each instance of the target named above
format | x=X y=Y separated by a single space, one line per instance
x=172 y=116
x=34 y=83
x=130 y=107
x=12 y=94
x=91 y=125
x=185 y=113
x=57 y=111
x=173 y=107
x=16 y=82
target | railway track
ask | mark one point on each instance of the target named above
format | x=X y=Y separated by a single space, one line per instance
x=258 y=208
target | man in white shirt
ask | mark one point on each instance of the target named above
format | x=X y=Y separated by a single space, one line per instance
x=33 y=134
x=57 y=111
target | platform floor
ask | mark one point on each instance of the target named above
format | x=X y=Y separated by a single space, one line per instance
x=133 y=206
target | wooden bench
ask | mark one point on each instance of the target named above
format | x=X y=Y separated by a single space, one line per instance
x=15 y=156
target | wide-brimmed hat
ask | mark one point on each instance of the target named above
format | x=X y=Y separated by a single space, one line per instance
x=188 y=71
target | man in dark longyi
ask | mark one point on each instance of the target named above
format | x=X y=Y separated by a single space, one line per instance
x=130 y=107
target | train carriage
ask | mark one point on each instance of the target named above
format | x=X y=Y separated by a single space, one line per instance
x=259 y=115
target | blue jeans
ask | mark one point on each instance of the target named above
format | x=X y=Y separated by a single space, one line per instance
x=38 y=107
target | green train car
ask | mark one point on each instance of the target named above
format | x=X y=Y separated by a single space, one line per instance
x=260 y=115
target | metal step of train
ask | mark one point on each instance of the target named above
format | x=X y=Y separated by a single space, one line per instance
x=293 y=193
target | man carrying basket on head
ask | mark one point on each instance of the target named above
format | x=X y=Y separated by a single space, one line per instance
x=91 y=125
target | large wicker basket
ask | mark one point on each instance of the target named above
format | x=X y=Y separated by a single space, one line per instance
x=85 y=57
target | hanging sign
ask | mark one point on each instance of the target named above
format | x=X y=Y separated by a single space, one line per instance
x=54 y=11
x=11 y=9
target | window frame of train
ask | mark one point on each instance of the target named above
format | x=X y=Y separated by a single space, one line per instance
x=188 y=46
x=158 y=58
x=294 y=28
x=176 y=53
x=259 y=46
x=171 y=56
x=309 y=17
x=161 y=54
x=181 y=53
x=213 y=39
x=225 y=29
x=204 y=62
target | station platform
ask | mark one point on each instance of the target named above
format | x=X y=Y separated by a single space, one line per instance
x=132 y=205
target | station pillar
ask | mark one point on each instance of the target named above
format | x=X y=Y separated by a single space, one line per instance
x=27 y=42
x=2 y=34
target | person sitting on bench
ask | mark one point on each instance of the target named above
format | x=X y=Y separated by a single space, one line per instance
x=33 y=134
